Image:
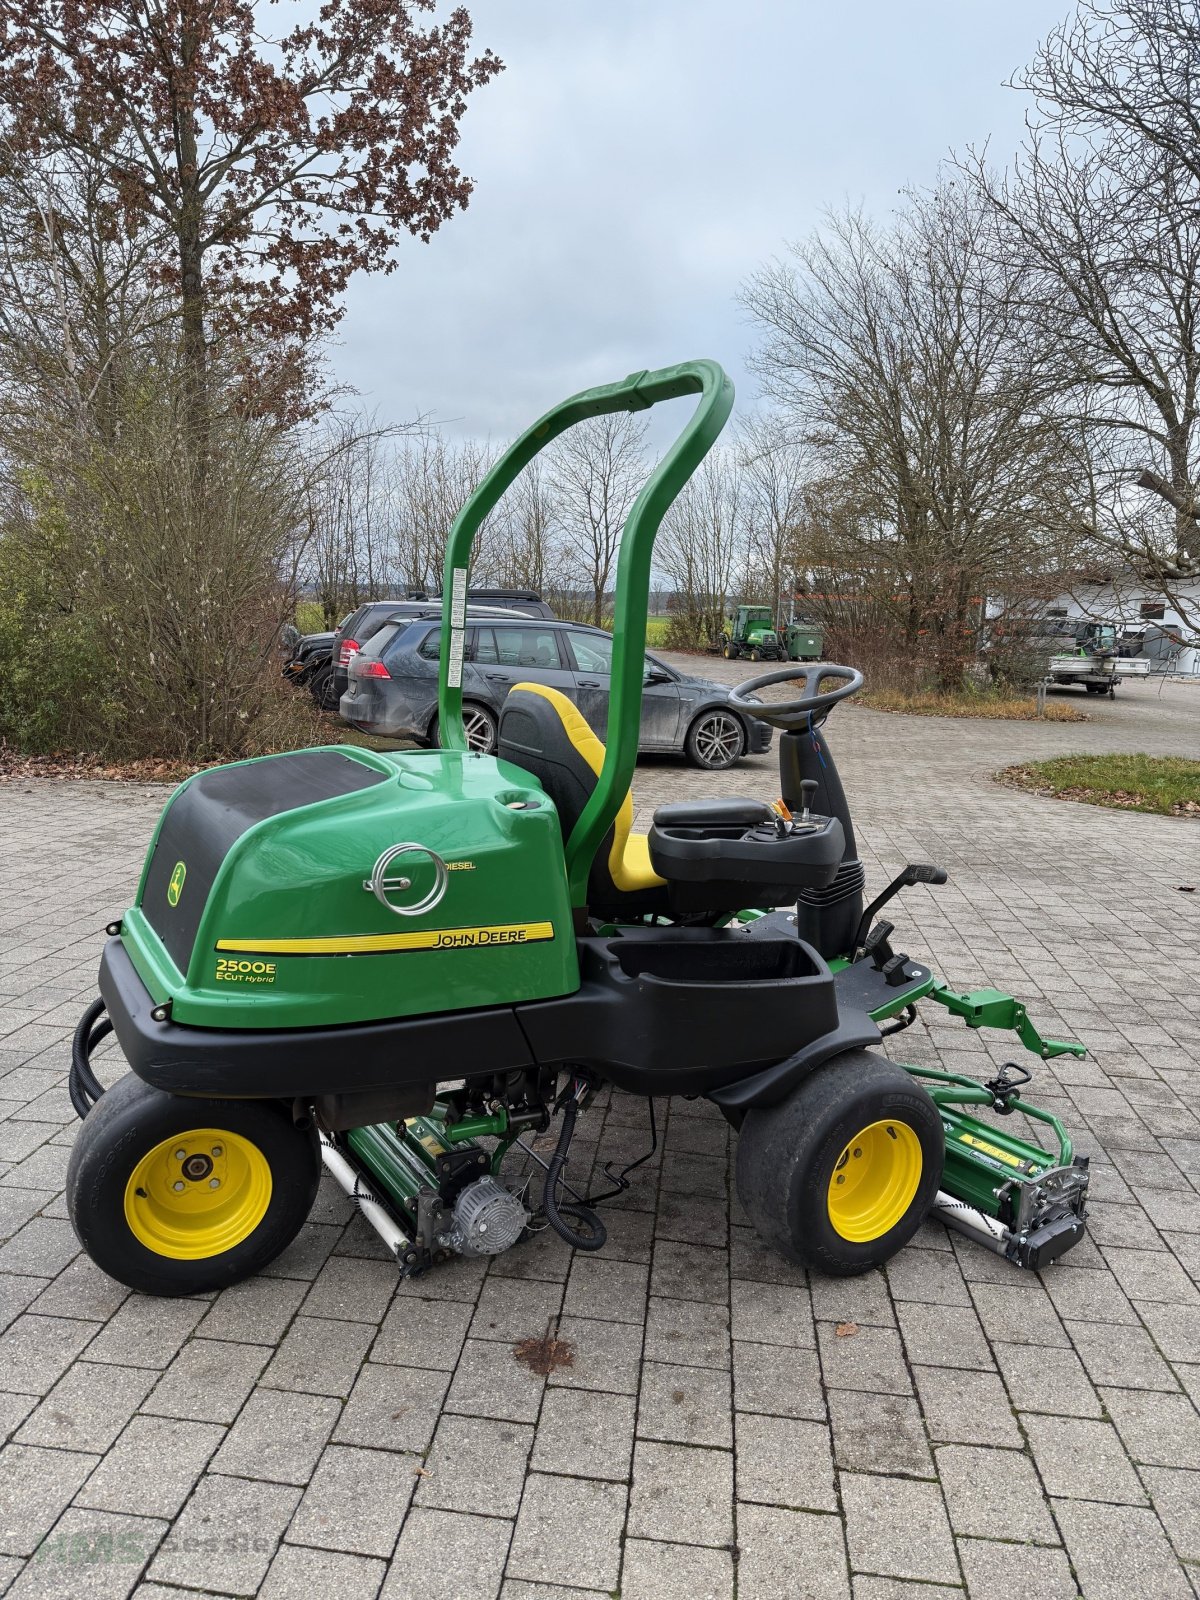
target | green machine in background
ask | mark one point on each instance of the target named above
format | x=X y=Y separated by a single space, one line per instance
x=751 y=632
x=400 y=967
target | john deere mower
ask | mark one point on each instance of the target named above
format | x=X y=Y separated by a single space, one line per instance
x=403 y=967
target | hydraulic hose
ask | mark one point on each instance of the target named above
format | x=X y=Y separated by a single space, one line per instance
x=82 y=1083
x=595 y=1233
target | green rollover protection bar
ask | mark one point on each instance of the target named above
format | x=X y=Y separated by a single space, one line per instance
x=636 y=393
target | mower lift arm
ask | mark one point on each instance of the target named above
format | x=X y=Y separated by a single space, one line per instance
x=992 y=1008
x=635 y=393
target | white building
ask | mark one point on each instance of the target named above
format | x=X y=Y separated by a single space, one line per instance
x=1134 y=606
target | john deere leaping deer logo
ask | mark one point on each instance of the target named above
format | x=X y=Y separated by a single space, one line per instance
x=175 y=887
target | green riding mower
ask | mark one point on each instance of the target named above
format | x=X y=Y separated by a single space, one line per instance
x=404 y=967
x=751 y=632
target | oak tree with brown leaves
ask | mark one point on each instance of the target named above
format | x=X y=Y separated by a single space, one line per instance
x=272 y=163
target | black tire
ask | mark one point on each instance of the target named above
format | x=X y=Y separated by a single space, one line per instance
x=716 y=740
x=321 y=687
x=789 y=1157
x=113 y=1215
x=481 y=726
x=730 y=652
x=756 y=655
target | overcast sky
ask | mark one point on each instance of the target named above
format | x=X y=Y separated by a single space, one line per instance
x=639 y=158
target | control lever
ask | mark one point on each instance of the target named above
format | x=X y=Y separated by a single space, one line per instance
x=914 y=872
x=808 y=789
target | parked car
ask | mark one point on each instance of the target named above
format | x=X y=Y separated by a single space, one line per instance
x=309 y=665
x=354 y=631
x=392 y=688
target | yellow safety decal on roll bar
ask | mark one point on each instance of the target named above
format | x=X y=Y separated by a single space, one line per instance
x=364 y=944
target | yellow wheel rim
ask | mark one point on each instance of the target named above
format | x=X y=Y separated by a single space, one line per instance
x=198 y=1194
x=874 y=1181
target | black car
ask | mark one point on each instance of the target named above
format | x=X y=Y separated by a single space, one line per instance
x=392 y=688
x=354 y=631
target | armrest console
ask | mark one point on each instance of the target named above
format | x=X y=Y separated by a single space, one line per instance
x=713 y=814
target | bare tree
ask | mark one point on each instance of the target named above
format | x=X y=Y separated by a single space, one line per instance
x=596 y=470
x=1103 y=209
x=896 y=355
x=701 y=548
x=776 y=469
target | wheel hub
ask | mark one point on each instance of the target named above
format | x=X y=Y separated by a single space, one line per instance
x=874 y=1181
x=197 y=1194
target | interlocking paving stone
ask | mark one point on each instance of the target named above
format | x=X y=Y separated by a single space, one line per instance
x=320 y=1356
x=690 y=1272
x=35 y=1486
x=568 y=1533
x=1160 y=1430
x=865 y=1358
x=785 y=1462
x=152 y=1466
x=1118 y=1551
x=88 y=1407
x=771 y=1313
x=476 y=1465
x=653 y=1571
x=681 y=1494
x=879 y=1433
x=299 y=1573
x=781 y=1382
x=612 y=1290
x=966 y=1407
x=423 y=1333
x=444 y=1555
x=686 y=1405
x=355 y=1501
x=687 y=1332
x=392 y=1408
x=955 y=1349
x=226 y=1535
x=278 y=1436
x=90 y=1555
x=784 y=1554
x=1083 y=1460
x=994 y=1494
x=208 y=1381
x=996 y=1570
x=898 y=1527
x=36 y=1351
x=255 y=1312
x=604 y=1355
x=147 y=1331
x=585 y=1433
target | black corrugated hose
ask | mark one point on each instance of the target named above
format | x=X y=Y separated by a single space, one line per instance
x=82 y=1084
x=595 y=1233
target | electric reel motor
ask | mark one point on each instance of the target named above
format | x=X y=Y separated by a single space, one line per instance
x=487 y=1219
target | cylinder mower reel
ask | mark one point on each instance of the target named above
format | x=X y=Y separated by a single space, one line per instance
x=405 y=969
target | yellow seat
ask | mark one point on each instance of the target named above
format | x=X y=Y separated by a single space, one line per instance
x=564 y=754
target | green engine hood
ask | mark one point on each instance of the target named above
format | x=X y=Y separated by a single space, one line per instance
x=256 y=907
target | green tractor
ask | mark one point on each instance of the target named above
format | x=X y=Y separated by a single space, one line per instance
x=402 y=968
x=751 y=632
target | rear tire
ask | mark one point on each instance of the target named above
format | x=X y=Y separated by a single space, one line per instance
x=479 y=725
x=158 y=1227
x=321 y=688
x=841 y=1174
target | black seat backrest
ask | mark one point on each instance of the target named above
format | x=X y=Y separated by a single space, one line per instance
x=547 y=735
x=532 y=736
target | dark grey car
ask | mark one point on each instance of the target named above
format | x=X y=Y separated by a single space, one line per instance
x=392 y=688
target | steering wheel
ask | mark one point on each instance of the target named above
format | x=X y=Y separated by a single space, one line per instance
x=791 y=715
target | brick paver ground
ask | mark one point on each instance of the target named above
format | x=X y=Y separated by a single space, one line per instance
x=327 y=1430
